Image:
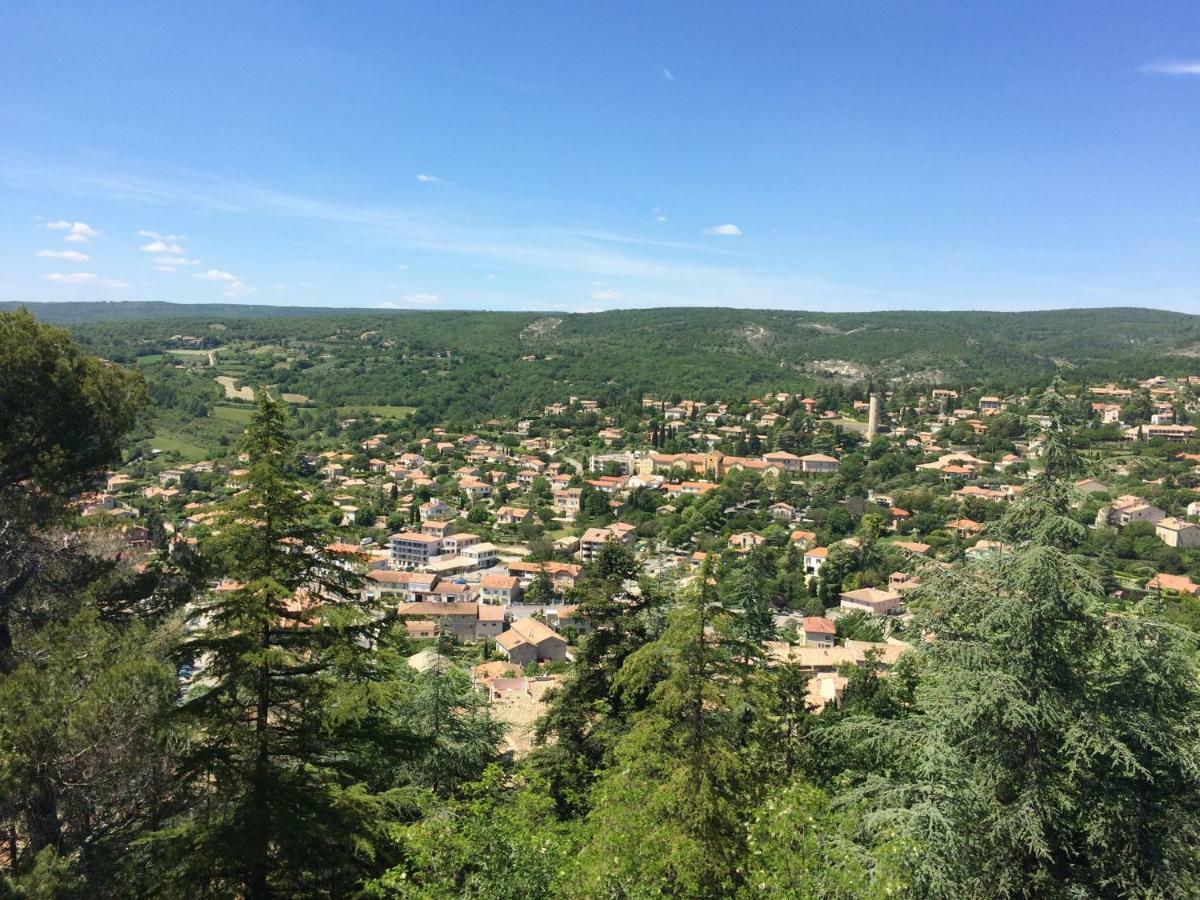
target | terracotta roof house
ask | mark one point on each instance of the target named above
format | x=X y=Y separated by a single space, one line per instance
x=529 y=640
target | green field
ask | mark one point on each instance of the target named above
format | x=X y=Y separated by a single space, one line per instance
x=172 y=444
x=385 y=412
x=239 y=414
x=150 y=360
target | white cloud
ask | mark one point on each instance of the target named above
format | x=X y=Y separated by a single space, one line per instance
x=175 y=261
x=606 y=295
x=1173 y=67
x=725 y=230
x=218 y=275
x=667 y=74
x=431 y=179
x=84 y=278
x=659 y=215
x=387 y=305
x=234 y=286
x=69 y=255
x=77 y=232
x=160 y=247
x=421 y=299
x=161 y=237
x=713 y=273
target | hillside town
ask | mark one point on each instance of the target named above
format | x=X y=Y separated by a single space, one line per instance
x=483 y=537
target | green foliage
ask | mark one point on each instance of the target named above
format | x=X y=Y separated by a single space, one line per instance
x=63 y=413
x=293 y=718
x=1051 y=750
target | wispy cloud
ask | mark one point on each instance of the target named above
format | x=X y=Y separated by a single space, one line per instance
x=161 y=247
x=667 y=75
x=431 y=179
x=726 y=230
x=84 y=278
x=218 y=275
x=606 y=295
x=670 y=272
x=234 y=285
x=175 y=261
x=69 y=255
x=159 y=236
x=659 y=215
x=76 y=232
x=1173 y=67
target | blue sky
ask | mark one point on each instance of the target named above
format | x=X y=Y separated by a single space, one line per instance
x=582 y=156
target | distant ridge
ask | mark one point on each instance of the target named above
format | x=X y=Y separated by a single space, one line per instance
x=80 y=312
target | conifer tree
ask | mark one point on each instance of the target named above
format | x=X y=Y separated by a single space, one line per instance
x=1050 y=748
x=292 y=704
x=667 y=816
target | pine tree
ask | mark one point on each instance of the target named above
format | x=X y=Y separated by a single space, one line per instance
x=1050 y=748
x=667 y=816
x=290 y=707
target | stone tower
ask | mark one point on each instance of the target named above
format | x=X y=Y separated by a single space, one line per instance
x=873 y=417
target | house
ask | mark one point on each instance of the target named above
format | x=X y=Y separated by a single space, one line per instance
x=915 y=547
x=785 y=512
x=481 y=555
x=1175 y=434
x=434 y=509
x=499 y=589
x=803 y=538
x=690 y=488
x=528 y=641
x=814 y=558
x=512 y=515
x=410 y=549
x=873 y=601
x=1126 y=509
x=788 y=461
x=566 y=502
x=437 y=527
x=475 y=489
x=454 y=544
x=422 y=619
x=818 y=464
x=746 y=541
x=992 y=495
x=1177 y=532
x=564 y=575
x=407 y=587
x=593 y=540
x=964 y=528
x=990 y=406
x=1173 y=584
x=818 y=631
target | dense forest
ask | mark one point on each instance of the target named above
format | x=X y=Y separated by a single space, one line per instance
x=235 y=719
x=479 y=364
